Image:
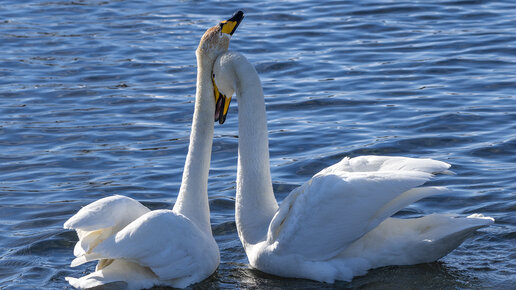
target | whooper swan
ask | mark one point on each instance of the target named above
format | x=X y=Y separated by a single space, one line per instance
x=338 y=224
x=142 y=248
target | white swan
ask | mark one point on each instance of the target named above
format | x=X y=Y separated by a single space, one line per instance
x=142 y=248
x=337 y=225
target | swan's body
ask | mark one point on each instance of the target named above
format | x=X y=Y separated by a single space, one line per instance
x=143 y=248
x=160 y=247
x=338 y=224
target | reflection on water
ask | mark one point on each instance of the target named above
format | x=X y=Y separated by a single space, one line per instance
x=97 y=99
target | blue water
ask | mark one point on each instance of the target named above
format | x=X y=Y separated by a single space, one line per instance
x=96 y=98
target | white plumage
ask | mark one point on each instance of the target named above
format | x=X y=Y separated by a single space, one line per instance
x=338 y=224
x=158 y=247
x=138 y=248
x=102 y=219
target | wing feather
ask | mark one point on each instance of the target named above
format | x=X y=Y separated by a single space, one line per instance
x=345 y=201
x=101 y=219
x=166 y=242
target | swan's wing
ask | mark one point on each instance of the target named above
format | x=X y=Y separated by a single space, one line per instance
x=106 y=212
x=372 y=163
x=343 y=202
x=412 y=241
x=101 y=219
x=166 y=242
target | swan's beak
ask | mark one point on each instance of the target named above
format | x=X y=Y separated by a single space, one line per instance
x=229 y=26
x=221 y=103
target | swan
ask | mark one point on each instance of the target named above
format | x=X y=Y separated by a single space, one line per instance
x=338 y=224
x=142 y=248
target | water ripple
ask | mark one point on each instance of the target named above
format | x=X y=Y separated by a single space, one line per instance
x=97 y=99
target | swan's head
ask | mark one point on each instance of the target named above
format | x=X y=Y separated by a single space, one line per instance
x=216 y=39
x=231 y=69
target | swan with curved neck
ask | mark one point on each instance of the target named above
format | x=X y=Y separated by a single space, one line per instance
x=142 y=248
x=338 y=224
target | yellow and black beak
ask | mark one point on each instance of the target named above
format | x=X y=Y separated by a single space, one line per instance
x=229 y=26
x=221 y=103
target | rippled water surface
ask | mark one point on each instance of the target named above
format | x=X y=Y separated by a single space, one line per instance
x=96 y=98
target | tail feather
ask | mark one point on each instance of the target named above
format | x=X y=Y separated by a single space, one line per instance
x=89 y=240
x=412 y=241
x=78 y=261
x=86 y=258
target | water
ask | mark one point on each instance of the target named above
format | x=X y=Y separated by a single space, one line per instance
x=97 y=99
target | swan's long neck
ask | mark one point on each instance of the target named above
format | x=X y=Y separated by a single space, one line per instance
x=192 y=200
x=255 y=201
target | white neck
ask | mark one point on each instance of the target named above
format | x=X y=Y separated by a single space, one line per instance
x=192 y=200
x=255 y=201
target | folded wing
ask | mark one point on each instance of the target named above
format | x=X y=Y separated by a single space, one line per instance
x=167 y=243
x=101 y=219
x=345 y=201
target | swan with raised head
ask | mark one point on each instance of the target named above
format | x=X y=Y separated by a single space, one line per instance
x=143 y=248
x=338 y=224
